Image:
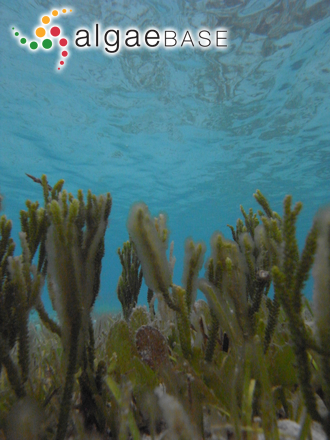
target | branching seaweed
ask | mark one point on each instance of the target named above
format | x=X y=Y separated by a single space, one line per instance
x=129 y=283
x=225 y=368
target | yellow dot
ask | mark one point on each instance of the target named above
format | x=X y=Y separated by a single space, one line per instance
x=55 y=13
x=40 y=32
x=45 y=19
x=64 y=11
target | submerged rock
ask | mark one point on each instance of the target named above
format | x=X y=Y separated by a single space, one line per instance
x=289 y=430
x=152 y=346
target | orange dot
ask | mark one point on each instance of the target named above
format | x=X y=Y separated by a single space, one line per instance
x=70 y=10
x=55 y=13
x=40 y=32
x=64 y=11
x=45 y=19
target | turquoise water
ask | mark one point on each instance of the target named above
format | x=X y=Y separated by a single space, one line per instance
x=191 y=132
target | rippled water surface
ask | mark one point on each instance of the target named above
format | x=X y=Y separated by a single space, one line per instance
x=191 y=132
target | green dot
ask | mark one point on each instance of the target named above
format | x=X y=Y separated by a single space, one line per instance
x=17 y=34
x=47 y=44
x=33 y=45
x=23 y=40
x=13 y=28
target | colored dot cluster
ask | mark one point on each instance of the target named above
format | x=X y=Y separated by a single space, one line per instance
x=54 y=31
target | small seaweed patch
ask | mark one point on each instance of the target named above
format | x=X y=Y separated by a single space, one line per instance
x=240 y=365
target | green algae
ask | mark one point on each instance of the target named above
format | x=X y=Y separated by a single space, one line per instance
x=190 y=369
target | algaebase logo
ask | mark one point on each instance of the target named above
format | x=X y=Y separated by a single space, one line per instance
x=114 y=38
x=48 y=36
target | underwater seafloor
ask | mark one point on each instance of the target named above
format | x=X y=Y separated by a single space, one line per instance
x=193 y=134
